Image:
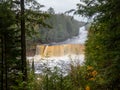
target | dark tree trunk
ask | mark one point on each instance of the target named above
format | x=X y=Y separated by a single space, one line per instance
x=23 y=43
x=2 y=57
x=4 y=82
x=5 y=59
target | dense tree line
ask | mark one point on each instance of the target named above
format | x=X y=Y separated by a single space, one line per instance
x=63 y=27
x=14 y=17
x=103 y=44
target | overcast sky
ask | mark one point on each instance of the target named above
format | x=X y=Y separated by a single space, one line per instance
x=60 y=6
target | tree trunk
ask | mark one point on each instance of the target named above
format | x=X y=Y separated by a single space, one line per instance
x=23 y=43
x=5 y=60
x=2 y=57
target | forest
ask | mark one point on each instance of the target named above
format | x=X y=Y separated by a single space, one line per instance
x=63 y=26
x=21 y=20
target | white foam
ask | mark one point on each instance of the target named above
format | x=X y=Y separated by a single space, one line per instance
x=63 y=63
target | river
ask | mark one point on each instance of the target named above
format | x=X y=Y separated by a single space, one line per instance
x=63 y=59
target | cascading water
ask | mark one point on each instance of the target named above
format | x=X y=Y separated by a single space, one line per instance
x=61 y=54
x=80 y=39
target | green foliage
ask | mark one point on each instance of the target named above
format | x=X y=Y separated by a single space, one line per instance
x=63 y=27
x=102 y=47
x=53 y=80
x=10 y=48
x=11 y=65
x=51 y=10
x=78 y=78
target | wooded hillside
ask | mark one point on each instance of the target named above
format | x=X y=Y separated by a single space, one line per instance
x=62 y=28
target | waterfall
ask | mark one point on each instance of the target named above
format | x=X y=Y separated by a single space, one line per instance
x=60 y=50
x=73 y=45
x=44 y=51
x=60 y=54
x=80 y=39
x=37 y=50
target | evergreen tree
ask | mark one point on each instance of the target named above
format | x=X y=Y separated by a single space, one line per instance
x=51 y=10
x=13 y=19
x=103 y=44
